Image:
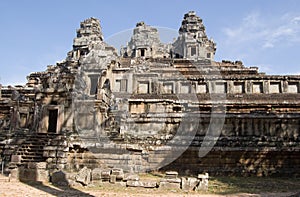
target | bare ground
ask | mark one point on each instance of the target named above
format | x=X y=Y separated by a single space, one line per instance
x=19 y=189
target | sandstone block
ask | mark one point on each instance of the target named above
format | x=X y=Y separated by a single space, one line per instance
x=113 y=178
x=149 y=184
x=131 y=177
x=189 y=183
x=105 y=174
x=134 y=184
x=168 y=185
x=96 y=174
x=84 y=176
x=118 y=172
x=59 y=178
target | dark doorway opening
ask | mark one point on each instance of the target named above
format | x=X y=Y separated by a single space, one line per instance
x=52 y=123
x=193 y=51
x=142 y=52
x=94 y=84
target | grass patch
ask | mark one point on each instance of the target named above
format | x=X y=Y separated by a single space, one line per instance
x=231 y=185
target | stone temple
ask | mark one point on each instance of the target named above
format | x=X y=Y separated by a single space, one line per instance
x=151 y=106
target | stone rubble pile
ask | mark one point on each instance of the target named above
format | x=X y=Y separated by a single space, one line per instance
x=171 y=180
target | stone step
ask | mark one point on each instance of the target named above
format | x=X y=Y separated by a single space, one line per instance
x=4 y=178
x=30 y=154
x=33 y=159
x=30 y=149
x=32 y=146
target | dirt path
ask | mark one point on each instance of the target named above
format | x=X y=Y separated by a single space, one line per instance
x=19 y=189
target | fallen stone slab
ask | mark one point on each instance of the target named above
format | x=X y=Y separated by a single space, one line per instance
x=84 y=176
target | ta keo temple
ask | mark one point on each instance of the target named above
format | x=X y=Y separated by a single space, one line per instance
x=150 y=106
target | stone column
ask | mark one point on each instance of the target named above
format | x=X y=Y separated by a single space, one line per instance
x=284 y=85
x=266 y=85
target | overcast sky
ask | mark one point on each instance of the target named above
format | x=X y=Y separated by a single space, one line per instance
x=263 y=33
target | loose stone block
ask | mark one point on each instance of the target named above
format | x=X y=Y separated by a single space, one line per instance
x=84 y=176
x=118 y=172
x=96 y=174
x=134 y=184
x=105 y=174
x=168 y=185
x=174 y=180
x=113 y=178
x=171 y=175
x=59 y=178
x=149 y=184
x=203 y=182
x=131 y=177
x=189 y=183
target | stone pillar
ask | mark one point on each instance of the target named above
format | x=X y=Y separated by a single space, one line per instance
x=248 y=88
x=266 y=85
x=284 y=85
x=230 y=87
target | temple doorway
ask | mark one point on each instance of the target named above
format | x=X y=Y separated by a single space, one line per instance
x=52 y=121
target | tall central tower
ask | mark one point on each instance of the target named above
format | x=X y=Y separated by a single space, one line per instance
x=192 y=42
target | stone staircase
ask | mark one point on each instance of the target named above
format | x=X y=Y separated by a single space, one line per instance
x=31 y=150
x=28 y=148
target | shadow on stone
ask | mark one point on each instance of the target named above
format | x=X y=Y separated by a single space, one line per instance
x=60 y=186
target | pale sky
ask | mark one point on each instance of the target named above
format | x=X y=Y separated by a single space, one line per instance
x=262 y=33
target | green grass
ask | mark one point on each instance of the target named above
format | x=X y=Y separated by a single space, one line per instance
x=231 y=185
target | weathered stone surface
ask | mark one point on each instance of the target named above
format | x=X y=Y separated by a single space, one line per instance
x=171 y=175
x=149 y=184
x=203 y=185
x=118 y=172
x=145 y=42
x=134 y=184
x=113 y=178
x=59 y=178
x=189 y=183
x=84 y=176
x=16 y=158
x=203 y=176
x=169 y=185
x=131 y=177
x=173 y=180
x=126 y=109
x=14 y=174
x=32 y=174
x=144 y=183
x=203 y=182
x=105 y=174
x=96 y=174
